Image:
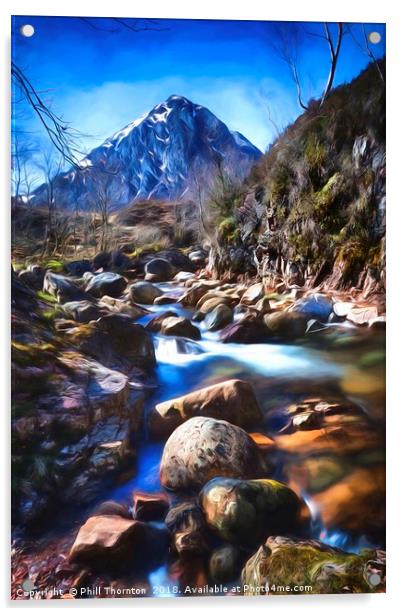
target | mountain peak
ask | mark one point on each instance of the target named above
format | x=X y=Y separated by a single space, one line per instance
x=164 y=154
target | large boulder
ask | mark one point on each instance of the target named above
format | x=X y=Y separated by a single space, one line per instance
x=82 y=311
x=284 y=562
x=116 y=341
x=286 y=325
x=107 y=542
x=203 y=448
x=62 y=288
x=107 y=283
x=128 y=338
x=250 y=330
x=247 y=512
x=144 y=292
x=218 y=318
x=180 y=326
x=315 y=306
x=159 y=270
x=232 y=400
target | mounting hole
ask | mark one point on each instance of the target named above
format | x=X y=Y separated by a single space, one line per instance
x=374 y=38
x=27 y=30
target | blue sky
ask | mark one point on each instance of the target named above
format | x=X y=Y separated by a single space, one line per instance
x=99 y=75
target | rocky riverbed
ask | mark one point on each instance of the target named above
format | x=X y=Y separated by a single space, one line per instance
x=172 y=432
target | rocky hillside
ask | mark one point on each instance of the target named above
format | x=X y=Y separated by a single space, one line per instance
x=167 y=154
x=312 y=211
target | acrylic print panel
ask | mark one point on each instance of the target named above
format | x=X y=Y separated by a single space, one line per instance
x=198 y=304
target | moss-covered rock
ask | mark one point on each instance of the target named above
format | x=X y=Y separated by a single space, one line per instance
x=318 y=568
x=246 y=512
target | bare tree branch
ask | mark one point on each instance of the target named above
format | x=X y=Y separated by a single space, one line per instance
x=334 y=49
x=62 y=136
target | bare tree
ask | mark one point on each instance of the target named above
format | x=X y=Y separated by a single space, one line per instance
x=63 y=137
x=287 y=47
x=288 y=43
x=334 y=44
x=51 y=168
x=102 y=199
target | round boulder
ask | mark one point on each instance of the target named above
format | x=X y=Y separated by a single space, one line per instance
x=144 y=292
x=247 y=512
x=107 y=283
x=286 y=325
x=219 y=317
x=203 y=448
x=180 y=326
x=159 y=270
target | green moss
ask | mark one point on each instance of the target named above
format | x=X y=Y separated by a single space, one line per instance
x=313 y=564
x=228 y=231
x=55 y=265
x=46 y=297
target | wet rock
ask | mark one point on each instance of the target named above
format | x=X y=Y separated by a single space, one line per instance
x=82 y=311
x=78 y=268
x=218 y=317
x=115 y=341
x=249 y=330
x=286 y=325
x=232 y=400
x=193 y=295
x=315 y=306
x=155 y=324
x=144 y=292
x=128 y=339
x=187 y=524
x=159 y=270
x=165 y=299
x=225 y=563
x=362 y=315
x=203 y=448
x=112 y=542
x=282 y=562
x=62 y=288
x=122 y=307
x=213 y=298
x=150 y=507
x=253 y=294
x=107 y=283
x=247 y=512
x=180 y=326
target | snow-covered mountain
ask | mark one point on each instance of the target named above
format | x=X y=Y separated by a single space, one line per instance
x=173 y=152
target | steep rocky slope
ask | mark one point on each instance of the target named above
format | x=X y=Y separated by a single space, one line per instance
x=312 y=211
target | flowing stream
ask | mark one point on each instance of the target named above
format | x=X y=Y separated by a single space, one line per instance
x=342 y=360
